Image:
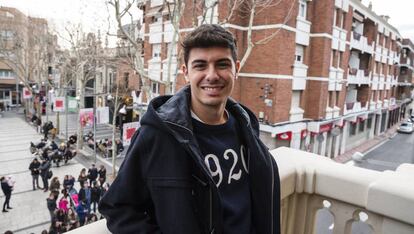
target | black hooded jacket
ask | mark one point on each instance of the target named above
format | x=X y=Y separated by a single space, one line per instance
x=163 y=186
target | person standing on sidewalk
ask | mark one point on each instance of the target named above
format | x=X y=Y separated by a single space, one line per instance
x=44 y=173
x=197 y=164
x=51 y=205
x=7 y=190
x=92 y=174
x=35 y=171
x=102 y=174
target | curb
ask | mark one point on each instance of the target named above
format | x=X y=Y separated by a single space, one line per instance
x=386 y=136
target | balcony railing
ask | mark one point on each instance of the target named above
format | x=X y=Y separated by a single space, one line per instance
x=354 y=107
x=360 y=42
x=310 y=183
x=358 y=77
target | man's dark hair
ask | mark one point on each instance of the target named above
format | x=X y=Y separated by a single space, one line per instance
x=209 y=35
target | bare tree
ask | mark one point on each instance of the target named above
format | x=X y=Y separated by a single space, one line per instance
x=83 y=58
x=25 y=50
x=135 y=44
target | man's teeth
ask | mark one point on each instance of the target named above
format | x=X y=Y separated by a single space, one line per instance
x=211 y=89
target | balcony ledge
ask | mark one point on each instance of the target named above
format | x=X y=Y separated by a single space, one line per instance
x=387 y=197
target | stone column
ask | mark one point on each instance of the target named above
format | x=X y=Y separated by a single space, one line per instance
x=295 y=141
x=344 y=137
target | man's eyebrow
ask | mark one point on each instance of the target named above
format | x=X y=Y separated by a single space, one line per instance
x=198 y=61
x=223 y=60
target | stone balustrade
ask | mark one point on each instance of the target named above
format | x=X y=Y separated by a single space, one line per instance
x=382 y=201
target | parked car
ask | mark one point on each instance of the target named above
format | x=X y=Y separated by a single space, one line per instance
x=406 y=127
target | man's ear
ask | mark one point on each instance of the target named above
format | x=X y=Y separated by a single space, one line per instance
x=185 y=72
x=237 y=69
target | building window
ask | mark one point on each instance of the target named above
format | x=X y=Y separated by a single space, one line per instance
x=156 y=50
x=352 y=129
x=157 y=18
x=126 y=79
x=369 y=123
x=299 y=53
x=340 y=54
x=302 y=9
x=168 y=47
x=6 y=73
x=361 y=126
x=155 y=87
x=343 y=20
x=6 y=34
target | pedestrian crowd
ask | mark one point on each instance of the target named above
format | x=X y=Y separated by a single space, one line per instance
x=68 y=207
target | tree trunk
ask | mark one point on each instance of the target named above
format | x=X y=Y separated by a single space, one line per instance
x=113 y=133
x=81 y=103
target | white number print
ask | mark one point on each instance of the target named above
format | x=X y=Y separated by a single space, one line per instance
x=217 y=163
x=237 y=175
x=212 y=160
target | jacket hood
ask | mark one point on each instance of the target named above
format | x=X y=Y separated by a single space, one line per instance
x=168 y=110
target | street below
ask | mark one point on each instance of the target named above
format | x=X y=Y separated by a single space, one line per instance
x=388 y=156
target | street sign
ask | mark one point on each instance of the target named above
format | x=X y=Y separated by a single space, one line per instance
x=86 y=117
x=59 y=104
x=26 y=93
x=102 y=115
x=72 y=104
x=128 y=131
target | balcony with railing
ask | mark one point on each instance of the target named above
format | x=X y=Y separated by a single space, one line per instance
x=300 y=72
x=381 y=201
x=339 y=39
x=154 y=69
x=155 y=33
x=381 y=85
x=355 y=107
x=358 y=76
x=378 y=53
x=360 y=42
x=375 y=82
x=384 y=55
x=336 y=76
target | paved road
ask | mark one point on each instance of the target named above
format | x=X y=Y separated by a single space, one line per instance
x=391 y=154
x=29 y=213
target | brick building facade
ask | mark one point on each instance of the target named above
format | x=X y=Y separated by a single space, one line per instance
x=322 y=75
x=27 y=52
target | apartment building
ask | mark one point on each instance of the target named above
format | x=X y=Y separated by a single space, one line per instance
x=405 y=80
x=12 y=23
x=322 y=75
x=27 y=52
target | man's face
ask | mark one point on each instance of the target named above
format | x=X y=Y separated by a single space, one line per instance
x=211 y=73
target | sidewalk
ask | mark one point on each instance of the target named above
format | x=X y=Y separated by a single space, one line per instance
x=368 y=145
x=29 y=213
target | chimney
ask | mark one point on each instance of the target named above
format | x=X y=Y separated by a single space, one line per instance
x=385 y=17
x=370 y=5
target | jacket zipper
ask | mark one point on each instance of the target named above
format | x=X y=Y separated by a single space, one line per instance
x=210 y=192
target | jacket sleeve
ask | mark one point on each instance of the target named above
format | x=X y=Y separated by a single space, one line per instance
x=127 y=205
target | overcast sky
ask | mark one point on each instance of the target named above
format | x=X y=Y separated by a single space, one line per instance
x=93 y=13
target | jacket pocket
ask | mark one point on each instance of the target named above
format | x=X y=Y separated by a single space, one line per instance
x=168 y=182
x=174 y=205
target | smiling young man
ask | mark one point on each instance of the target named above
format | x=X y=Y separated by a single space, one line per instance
x=197 y=165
